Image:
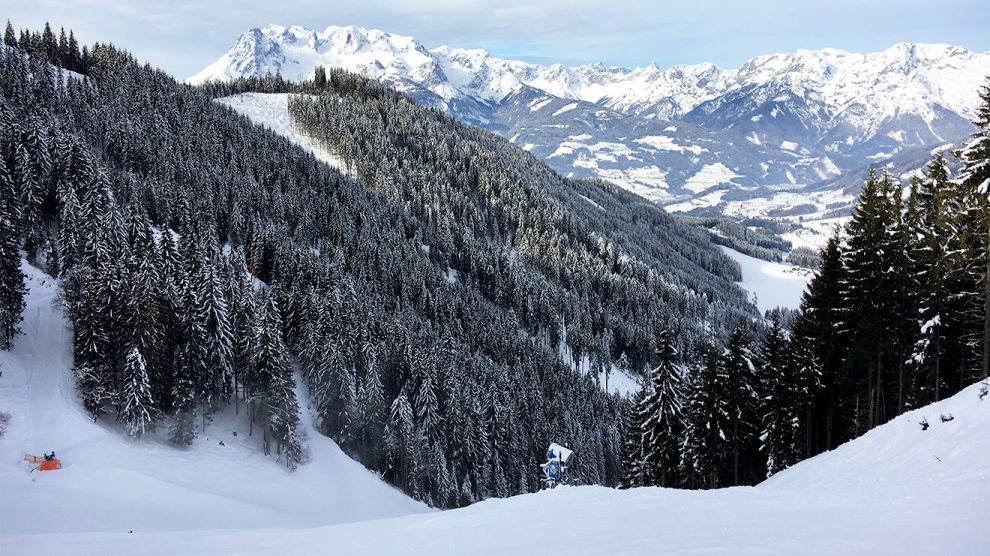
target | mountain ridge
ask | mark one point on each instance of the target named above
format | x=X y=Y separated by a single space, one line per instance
x=687 y=137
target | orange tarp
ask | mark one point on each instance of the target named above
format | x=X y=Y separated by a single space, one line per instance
x=50 y=465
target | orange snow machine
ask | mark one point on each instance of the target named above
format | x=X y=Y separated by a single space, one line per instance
x=47 y=463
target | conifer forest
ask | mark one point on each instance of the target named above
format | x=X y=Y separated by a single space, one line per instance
x=445 y=302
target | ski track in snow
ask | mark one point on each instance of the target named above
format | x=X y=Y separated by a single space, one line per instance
x=271 y=110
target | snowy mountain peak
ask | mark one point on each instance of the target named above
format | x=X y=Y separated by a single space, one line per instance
x=911 y=72
x=789 y=119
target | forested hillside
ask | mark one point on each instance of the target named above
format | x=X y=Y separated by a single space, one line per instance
x=898 y=317
x=203 y=259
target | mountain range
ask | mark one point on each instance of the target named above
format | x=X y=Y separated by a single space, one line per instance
x=690 y=136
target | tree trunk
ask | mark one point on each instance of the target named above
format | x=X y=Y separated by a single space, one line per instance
x=900 y=386
x=881 y=399
x=938 y=363
x=869 y=396
x=829 y=416
x=986 y=313
x=735 y=453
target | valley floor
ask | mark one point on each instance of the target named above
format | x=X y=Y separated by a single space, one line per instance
x=896 y=490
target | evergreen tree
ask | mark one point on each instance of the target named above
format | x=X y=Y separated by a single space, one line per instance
x=817 y=348
x=633 y=458
x=137 y=404
x=12 y=289
x=784 y=398
x=9 y=37
x=661 y=416
x=741 y=405
x=706 y=436
x=976 y=176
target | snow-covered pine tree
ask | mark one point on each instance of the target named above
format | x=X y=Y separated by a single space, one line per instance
x=976 y=154
x=12 y=289
x=784 y=399
x=633 y=468
x=741 y=405
x=373 y=414
x=707 y=421
x=219 y=333
x=976 y=176
x=9 y=37
x=400 y=441
x=137 y=404
x=929 y=229
x=280 y=407
x=661 y=416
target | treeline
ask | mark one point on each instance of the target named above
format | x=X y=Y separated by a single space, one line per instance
x=732 y=418
x=207 y=264
x=897 y=317
x=754 y=237
x=63 y=52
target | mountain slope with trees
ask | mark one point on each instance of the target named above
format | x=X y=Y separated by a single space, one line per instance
x=202 y=259
x=898 y=317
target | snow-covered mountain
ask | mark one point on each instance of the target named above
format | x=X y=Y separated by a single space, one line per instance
x=688 y=136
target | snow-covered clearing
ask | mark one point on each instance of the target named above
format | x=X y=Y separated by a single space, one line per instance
x=709 y=176
x=112 y=484
x=566 y=108
x=272 y=111
x=771 y=284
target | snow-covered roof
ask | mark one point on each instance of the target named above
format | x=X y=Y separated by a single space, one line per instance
x=565 y=454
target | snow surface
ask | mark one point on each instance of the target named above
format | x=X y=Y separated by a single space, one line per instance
x=271 y=110
x=896 y=490
x=771 y=284
x=112 y=484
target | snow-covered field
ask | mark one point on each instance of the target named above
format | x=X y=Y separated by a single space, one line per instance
x=897 y=490
x=771 y=284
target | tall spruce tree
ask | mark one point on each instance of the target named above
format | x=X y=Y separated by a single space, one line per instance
x=12 y=289
x=661 y=416
x=784 y=400
x=741 y=401
x=976 y=176
x=633 y=457
x=137 y=404
x=707 y=423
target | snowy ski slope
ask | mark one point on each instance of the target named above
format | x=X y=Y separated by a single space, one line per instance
x=899 y=489
x=113 y=484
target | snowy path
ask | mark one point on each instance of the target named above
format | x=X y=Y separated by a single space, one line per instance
x=272 y=111
x=772 y=284
x=111 y=483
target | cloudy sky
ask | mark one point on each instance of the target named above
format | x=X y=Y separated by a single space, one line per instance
x=182 y=36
